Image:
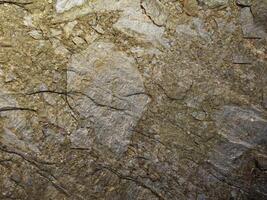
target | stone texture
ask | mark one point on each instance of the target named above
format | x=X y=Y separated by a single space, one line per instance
x=213 y=3
x=259 y=10
x=249 y=27
x=111 y=95
x=131 y=99
x=244 y=2
x=155 y=10
x=65 y=5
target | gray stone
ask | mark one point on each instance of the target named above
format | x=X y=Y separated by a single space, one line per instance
x=131 y=99
x=244 y=2
x=241 y=59
x=113 y=96
x=243 y=129
x=213 y=3
x=136 y=24
x=65 y=5
x=249 y=28
x=199 y=115
x=132 y=21
x=259 y=11
x=194 y=29
x=81 y=138
x=155 y=10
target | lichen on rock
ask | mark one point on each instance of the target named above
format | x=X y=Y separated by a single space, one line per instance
x=133 y=99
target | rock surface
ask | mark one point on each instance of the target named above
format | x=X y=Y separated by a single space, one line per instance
x=213 y=3
x=244 y=2
x=259 y=11
x=64 y=5
x=133 y=99
x=108 y=93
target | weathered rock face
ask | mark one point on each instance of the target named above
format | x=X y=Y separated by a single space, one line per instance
x=64 y=5
x=244 y=2
x=155 y=11
x=108 y=93
x=213 y=3
x=133 y=99
x=259 y=10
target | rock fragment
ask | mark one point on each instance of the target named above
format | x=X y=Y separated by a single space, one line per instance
x=111 y=95
x=134 y=23
x=242 y=126
x=259 y=11
x=68 y=28
x=78 y=40
x=213 y=3
x=191 y=7
x=241 y=59
x=196 y=28
x=243 y=130
x=155 y=10
x=244 y=2
x=65 y=5
x=199 y=115
x=249 y=28
x=36 y=34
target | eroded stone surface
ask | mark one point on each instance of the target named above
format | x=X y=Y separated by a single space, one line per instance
x=156 y=11
x=259 y=10
x=131 y=99
x=213 y=3
x=64 y=5
x=244 y=2
x=110 y=93
x=249 y=28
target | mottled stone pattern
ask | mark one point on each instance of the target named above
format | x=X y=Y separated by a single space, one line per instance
x=133 y=99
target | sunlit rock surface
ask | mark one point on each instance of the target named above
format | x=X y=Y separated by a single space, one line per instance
x=133 y=99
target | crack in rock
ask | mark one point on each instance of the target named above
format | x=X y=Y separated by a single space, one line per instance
x=101 y=66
